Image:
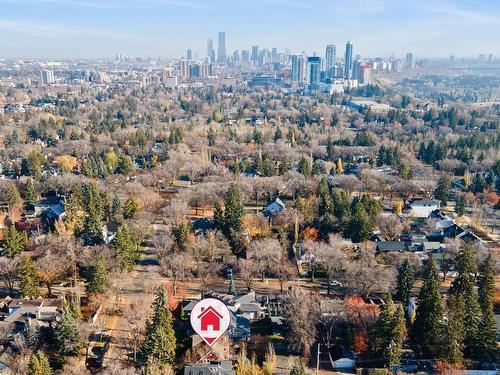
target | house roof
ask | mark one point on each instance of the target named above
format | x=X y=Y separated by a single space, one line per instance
x=274 y=207
x=425 y=202
x=390 y=245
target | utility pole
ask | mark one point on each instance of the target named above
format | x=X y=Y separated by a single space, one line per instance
x=317 y=359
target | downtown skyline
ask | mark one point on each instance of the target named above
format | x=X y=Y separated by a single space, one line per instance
x=166 y=28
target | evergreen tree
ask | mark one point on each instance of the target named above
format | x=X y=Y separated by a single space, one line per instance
x=406 y=280
x=13 y=196
x=39 y=364
x=466 y=269
x=30 y=194
x=360 y=226
x=389 y=333
x=234 y=210
x=473 y=316
x=454 y=330
x=97 y=277
x=284 y=165
x=427 y=327
x=160 y=343
x=181 y=234
x=460 y=206
x=278 y=134
x=443 y=188
x=66 y=338
x=13 y=242
x=218 y=216
x=116 y=205
x=28 y=278
x=131 y=207
x=125 y=249
x=488 y=350
x=92 y=230
x=211 y=136
x=304 y=167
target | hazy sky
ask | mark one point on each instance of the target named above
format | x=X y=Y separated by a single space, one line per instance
x=101 y=28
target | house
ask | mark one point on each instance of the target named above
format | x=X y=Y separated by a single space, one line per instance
x=212 y=368
x=422 y=208
x=274 y=207
x=210 y=318
x=469 y=236
x=431 y=246
x=109 y=230
x=202 y=226
x=387 y=246
x=19 y=313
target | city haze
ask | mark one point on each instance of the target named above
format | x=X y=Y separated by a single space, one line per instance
x=166 y=28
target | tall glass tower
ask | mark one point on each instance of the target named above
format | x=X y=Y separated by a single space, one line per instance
x=348 y=61
x=221 y=51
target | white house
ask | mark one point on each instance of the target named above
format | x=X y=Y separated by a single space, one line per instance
x=423 y=207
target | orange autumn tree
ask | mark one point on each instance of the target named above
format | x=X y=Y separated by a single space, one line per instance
x=362 y=317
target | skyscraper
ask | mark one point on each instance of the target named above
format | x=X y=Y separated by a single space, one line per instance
x=313 y=71
x=245 y=56
x=210 y=50
x=255 y=54
x=274 y=55
x=330 y=58
x=189 y=54
x=184 y=69
x=348 y=61
x=298 y=68
x=221 y=48
x=409 y=61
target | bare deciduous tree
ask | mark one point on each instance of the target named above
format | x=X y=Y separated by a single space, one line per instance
x=177 y=267
x=390 y=226
x=8 y=272
x=302 y=312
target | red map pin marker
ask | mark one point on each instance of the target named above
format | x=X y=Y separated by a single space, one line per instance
x=210 y=319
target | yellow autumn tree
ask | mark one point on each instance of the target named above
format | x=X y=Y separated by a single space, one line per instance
x=339 y=166
x=66 y=162
x=111 y=161
x=467 y=179
x=398 y=208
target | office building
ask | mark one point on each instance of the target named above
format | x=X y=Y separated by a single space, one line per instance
x=255 y=54
x=298 y=68
x=184 y=69
x=47 y=77
x=236 y=56
x=365 y=74
x=330 y=59
x=356 y=70
x=245 y=56
x=313 y=73
x=274 y=55
x=397 y=66
x=452 y=59
x=221 y=48
x=409 y=61
x=210 y=50
x=189 y=54
x=348 y=61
